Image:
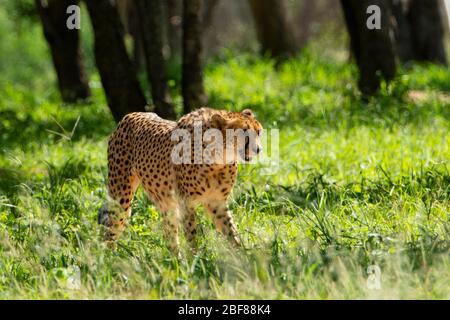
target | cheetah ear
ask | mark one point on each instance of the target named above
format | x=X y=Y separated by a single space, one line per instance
x=248 y=112
x=218 y=121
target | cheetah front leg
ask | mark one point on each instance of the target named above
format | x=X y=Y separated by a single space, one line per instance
x=171 y=219
x=223 y=220
x=190 y=225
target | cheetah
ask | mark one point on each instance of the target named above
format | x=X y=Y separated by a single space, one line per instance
x=141 y=152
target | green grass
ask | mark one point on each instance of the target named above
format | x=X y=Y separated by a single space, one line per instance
x=358 y=184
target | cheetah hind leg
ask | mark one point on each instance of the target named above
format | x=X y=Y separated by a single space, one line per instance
x=171 y=219
x=115 y=213
x=110 y=216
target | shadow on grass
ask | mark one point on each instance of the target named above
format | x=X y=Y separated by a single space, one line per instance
x=10 y=179
x=315 y=189
x=17 y=130
x=326 y=210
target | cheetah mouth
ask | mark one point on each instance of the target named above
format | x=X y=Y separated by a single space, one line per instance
x=246 y=157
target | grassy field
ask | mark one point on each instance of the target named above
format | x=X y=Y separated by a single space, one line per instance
x=359 y=184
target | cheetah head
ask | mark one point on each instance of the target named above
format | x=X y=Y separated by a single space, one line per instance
x=242 y=134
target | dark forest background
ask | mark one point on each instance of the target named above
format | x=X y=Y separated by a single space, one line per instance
x=172 y=39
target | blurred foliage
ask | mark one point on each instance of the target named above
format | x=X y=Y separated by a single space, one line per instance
x=20 y=11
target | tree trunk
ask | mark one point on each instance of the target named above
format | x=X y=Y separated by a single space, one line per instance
x=151 y=18
x=272 y=28
x=116 y=70
x=305 y=17
x=402 y=31
x=65 y=49
x=372 y=49
x=135 y=31
x=192 y=83
x=174 y=32
x=208 y=13
x=427 y=30
x=129 y=16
